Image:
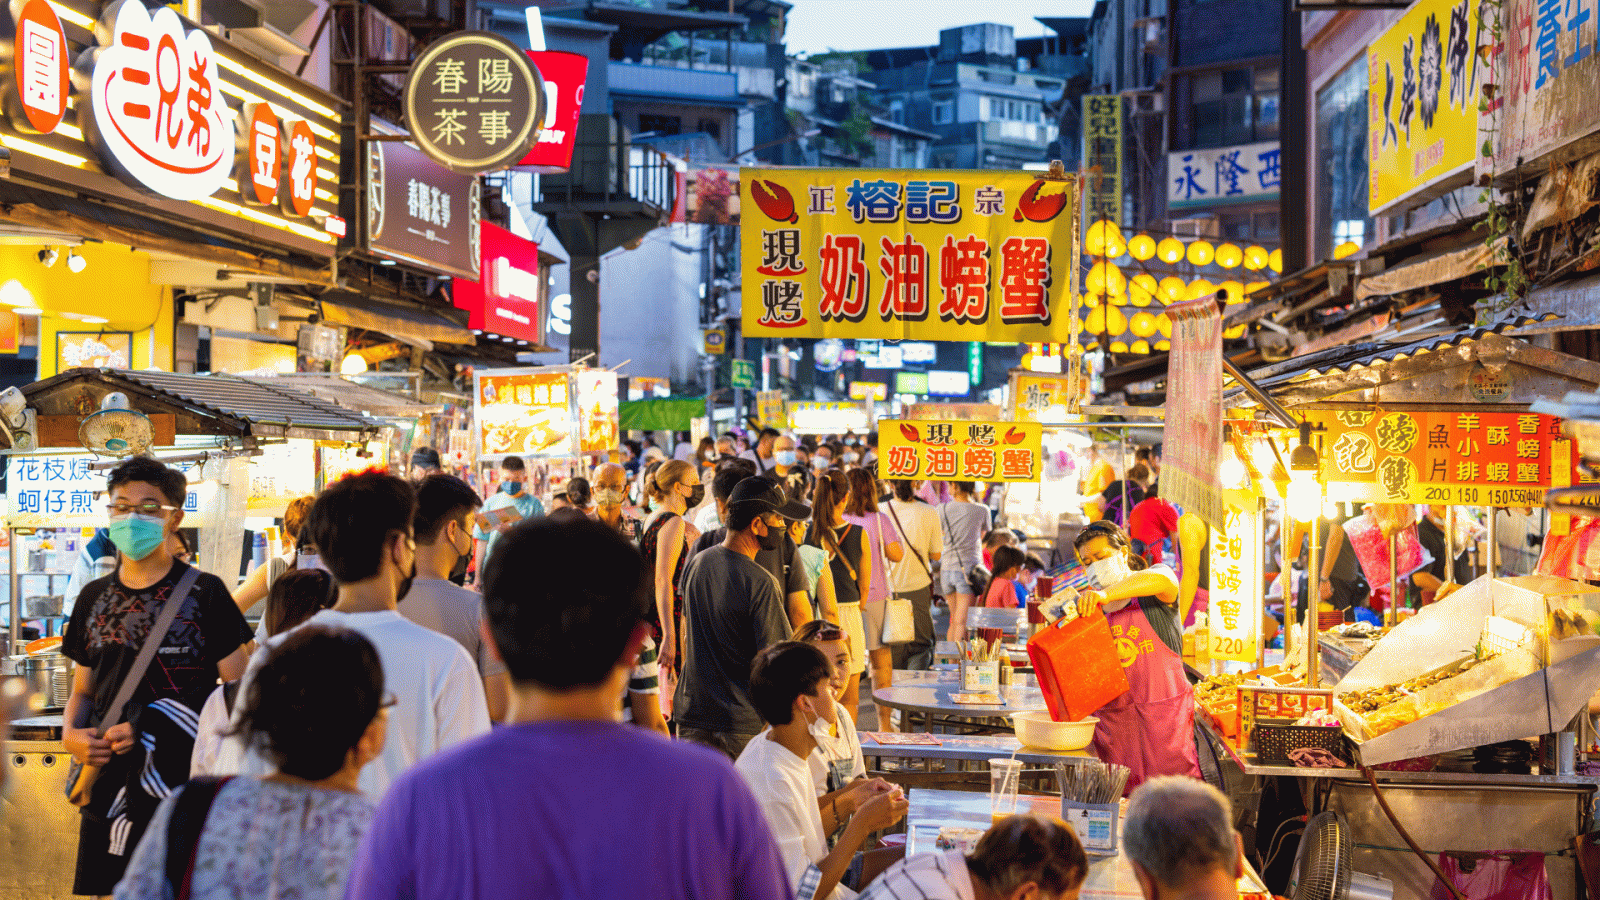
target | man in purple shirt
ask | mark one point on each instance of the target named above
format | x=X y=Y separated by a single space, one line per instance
x=566 y=801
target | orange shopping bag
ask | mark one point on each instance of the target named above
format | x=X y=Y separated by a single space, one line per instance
x=1077 y=666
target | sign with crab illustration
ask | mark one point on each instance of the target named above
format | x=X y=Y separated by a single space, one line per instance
x=959 y=451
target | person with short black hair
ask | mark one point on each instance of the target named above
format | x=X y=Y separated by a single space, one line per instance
x=791 y=685
x=443 y=531
x=317 y=708
x=259 y=583
x=424 y=462
x=565 y=801
x=362 y=526
x=963 y=522
x=512 y=495
x=730 y=471
x=1008 y=564
x=761 y=453
x=146 y=753
x=1178 y=836
x=732 y=609
x=1023 y=856
x=784 y=563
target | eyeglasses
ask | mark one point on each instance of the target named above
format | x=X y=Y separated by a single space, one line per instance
x=830 y=632
x=146 y=508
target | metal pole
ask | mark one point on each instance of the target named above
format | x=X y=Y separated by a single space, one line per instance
x=1394 y=585
x=1313 y=597
x=1122 y=462
x=1260 y=590
x=13 y=644
x=1450 y=544
x=1285 y=526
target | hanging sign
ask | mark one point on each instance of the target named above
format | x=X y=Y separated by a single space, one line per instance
x=36 y=96
x=474 y=102
x=564 y=75
x=869 y=390
x=959 y=451
x=820 y=417
x=61 y=491
x=299 y=148
x=1234 y=608
x=157 y=114
x=1040 y=398
x=506 y=302
x=1102 y=157
x=896 y=253
x=416 y=210
x=772 y=409
x=598 y=412
x=524 y=413
x=1467 y=458
x=259 y=156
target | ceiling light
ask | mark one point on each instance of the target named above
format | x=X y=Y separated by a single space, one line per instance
x=48 y=256
x=75 y=262
x=28 y=311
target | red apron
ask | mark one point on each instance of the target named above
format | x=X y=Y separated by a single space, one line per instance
x=1150 y=729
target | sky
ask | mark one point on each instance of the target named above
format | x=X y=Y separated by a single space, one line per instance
x=817 y=26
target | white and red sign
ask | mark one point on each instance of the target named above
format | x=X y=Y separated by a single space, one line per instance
x=41 y=68
x=159 y=117
x=506 y=301
x=300 y=150
x=564 y=76
x=260 y=155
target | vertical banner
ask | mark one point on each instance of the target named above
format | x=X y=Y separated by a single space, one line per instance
x=1194 y=410
x=1236 y=585
x=1102 y=158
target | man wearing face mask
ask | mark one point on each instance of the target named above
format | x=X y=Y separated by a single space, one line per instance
x=611 y=499
x=784 y=457
x=761 y=453
x=443 y=531
x=512 y=494
x=361 y=525
x=783 y=561
x=732 y=609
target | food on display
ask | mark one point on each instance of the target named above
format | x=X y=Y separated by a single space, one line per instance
x=1569 y=623
x=1218 y=691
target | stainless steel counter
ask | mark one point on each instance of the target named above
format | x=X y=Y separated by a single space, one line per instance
x=38 y=827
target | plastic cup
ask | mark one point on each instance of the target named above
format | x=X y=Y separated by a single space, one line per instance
x=1005 y=776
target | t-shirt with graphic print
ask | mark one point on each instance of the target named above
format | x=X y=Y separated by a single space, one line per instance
x=111 y=620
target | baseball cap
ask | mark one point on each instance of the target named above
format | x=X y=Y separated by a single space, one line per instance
x=425 y=456
x=757 y=490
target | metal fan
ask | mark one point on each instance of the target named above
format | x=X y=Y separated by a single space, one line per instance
x=1322 y=866
x=116 y=431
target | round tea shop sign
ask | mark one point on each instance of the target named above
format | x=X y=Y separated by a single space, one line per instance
x=474 y=102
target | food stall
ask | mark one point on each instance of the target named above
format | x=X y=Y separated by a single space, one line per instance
x=561 y=420
x=824 y=418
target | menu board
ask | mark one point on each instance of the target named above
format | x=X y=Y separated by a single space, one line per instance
x=597 y=410
x=959 y=451
x=524 y=413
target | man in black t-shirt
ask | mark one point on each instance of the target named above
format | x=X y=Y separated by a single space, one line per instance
x=783 y=563
x=110 y=622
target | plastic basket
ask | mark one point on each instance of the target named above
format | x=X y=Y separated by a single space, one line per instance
x=1275 y=742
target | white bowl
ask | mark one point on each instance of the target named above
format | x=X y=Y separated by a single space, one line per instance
x=1037 y=729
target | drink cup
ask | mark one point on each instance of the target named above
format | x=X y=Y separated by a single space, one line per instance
x=1005 y=775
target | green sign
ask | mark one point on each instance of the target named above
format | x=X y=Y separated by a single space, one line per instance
x=975 y=363
x=911 y=383
x=744 y=374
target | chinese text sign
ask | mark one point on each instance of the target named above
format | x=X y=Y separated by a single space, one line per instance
x=1223 y=175
x=1189 y=469
x=959 y=451
x=526 y=414
x=1235 y=603
x=1548 y=78
x=1102 y=158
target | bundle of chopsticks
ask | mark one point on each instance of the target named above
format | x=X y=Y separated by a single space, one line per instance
x=1092 y=782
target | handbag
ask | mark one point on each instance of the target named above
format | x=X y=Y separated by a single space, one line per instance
x=81 y=776
x=899 y=626
x=978 y=574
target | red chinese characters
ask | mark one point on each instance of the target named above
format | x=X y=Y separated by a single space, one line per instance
x=943 y=462
x=902 y=462
x=964 y=280
x=844 y=278
x=1025 y=280
x=905 y=279
x=159 y=117
x=300 y=152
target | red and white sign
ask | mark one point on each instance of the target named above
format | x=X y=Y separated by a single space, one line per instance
x=506 y=301
x=41 y=68
x=564 y=76
x=260 y=155
x=300 y=148
x=159 y=117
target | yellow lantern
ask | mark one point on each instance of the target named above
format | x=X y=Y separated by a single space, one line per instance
x=1200 y=253
x=1173 y=290
x=1234 y=333
x=1229 y=256
x=1255 y=258
x=1348 y=248
x=1142 y=289
x=1234 y=290
x=1119 y=347
x=1116 y=321
x=1200 y=288
x=1094 y=240
x=1092 y=300
x=1118 y=299
x=1143 y=324
x=1142 y=247
x=1164 y=324
x=1140 y=347
x=1105 y=278
x=1163 y=345
x=1095 y=321
x=1254 y=286
x=1275 y=261
x=1170 y=250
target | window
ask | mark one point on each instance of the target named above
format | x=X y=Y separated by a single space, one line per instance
x=1340 y=158
x=658 y=124
x=1233 y=106
x=711 y=127
x=944 y=112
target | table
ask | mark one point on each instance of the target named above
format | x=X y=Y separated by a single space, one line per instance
x=1109 y=877
x=928 y=694
x=974 y=748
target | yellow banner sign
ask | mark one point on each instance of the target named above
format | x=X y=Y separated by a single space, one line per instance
x=959 y=451
x=1422 y=101
x=1234 y=607
x=1040 y=398
x=894 y=253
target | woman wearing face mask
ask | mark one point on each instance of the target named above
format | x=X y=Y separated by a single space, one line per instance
x=1149 y=729
x=674 y=488
x=847 y=548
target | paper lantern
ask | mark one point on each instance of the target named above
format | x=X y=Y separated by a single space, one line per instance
x=1275 y=261
x=1101 y=237
x=1170 y=250
x=1164 y=324
x=1094 y=321
x=1200 y=253
x=1255 y=258
x=1116 y=321
x=1163 y=345
x=1142 y=289
x=1173 y=290
x=1229 y=256
x=1348 y=248
x=1105 y=278
x=1234 y=290
x=1234 y=333
x=1119 y=347
x=1142 y=247
x=1140 y=347
x=1143 y=324
x=1200 y=289
x=1117 y=299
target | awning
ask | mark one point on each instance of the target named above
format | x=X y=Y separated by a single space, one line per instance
x=414 y=323
x=350 y=395
x=1577 y=302
x=1426 y=271
x=664 y=414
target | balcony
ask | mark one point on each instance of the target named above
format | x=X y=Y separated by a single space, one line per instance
x=1029 y=134
x=678 y=85
x=610 y=176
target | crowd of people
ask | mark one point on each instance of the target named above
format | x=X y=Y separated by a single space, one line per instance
x=448 y=696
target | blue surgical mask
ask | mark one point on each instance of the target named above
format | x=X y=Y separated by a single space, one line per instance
x=784 y=457
x=138 y=536
x=849 y=458
x=511 y=487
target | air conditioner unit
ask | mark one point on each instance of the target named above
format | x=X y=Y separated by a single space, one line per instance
x=267 y=28
x=1195 y=227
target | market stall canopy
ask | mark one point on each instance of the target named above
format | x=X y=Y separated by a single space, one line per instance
x=1435 y=370
x=353 y=396
x=662 y=414
x=217 y=405
x=411 y=323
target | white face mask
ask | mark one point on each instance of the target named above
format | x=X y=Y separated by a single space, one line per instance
x=1108 y=572
x=822 y=732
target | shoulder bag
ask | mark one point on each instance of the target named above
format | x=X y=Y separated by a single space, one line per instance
x=81 y=776
x=188 y=820
x=978 y=574
x=899 y=622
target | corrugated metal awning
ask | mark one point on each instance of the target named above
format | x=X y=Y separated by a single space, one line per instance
x=1426 y=271
x=408 y=323
x=232 y=397
x=350 y=395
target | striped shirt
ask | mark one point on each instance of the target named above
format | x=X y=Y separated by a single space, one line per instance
x=643 y=678
x=926 y=876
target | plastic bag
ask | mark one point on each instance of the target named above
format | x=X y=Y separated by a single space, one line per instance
x=1505 y=875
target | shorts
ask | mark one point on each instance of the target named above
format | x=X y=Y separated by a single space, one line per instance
x=872 y=620
x=850 y=619
x=953 y=579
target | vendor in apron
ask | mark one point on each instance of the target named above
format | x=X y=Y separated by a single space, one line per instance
x=1149 y=729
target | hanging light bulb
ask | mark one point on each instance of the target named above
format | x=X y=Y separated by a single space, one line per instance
x=1200 y=253
x=1255 y=258
x=1229 y=256
x=1305 y=491
x=1275 y=261
x=1170 y=250
x=1142 y=247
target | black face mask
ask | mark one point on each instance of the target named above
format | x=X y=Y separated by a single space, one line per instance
x=773 y=539
x=697 y=495
x=458 y=572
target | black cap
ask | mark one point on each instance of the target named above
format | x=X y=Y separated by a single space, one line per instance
x=425 y=456
x=769 y=495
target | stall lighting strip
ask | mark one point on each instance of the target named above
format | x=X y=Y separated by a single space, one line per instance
x=50 y=153
x=72 y=15
x=246 y=212
x=279 y=89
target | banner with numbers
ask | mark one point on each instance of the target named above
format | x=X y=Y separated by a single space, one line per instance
x=960 y=451
x=1460 y=458
x=1234 y=607
x=932 y=255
